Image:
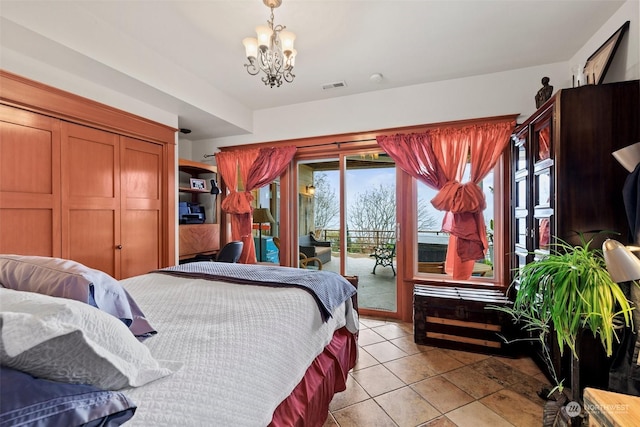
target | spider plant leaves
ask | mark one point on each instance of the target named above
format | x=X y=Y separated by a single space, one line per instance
x=571 y=288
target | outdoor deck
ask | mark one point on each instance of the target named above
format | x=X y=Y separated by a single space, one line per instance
x=375 y=291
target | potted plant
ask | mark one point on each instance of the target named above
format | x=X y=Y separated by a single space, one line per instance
x=567 y=293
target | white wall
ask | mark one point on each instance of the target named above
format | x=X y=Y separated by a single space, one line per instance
x=480 y=96
x=626 y=61
x=42 y=72
x=496 y=94
x=185 y=148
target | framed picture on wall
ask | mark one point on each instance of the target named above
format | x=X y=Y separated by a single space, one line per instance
x=198 y=184
x=598 y=63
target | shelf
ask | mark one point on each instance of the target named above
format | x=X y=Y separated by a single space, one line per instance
x=191 y=190
x=198 y=239
x=195 y=168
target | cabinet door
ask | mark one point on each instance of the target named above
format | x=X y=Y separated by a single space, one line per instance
x=521 y=197
x=542 y=188
x=91 y=197
x=533 y=192
x=29 y=183
x=141 y=214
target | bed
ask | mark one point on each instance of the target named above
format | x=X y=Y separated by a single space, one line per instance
x=223 y=350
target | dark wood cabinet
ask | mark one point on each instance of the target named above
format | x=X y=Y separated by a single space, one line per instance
x=566 y=181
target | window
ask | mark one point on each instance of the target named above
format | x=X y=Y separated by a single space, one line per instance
x=432 y=242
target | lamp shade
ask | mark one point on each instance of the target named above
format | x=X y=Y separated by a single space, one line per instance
x=623 y=266
x=287 y=38
x=251 y=47
x=264 y=36
x=629 y=156
x=262 y=215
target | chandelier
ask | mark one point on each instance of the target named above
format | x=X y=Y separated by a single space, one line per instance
x=272 y=52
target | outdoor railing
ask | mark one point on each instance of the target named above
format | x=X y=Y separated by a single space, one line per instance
x=364 y=241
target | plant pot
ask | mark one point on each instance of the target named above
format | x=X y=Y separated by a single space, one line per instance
x=551 y=413
x=555 y=413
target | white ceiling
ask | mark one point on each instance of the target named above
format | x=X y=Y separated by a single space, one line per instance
x=187 y=57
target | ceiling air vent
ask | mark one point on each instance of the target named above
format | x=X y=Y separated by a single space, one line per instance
x=334 y=85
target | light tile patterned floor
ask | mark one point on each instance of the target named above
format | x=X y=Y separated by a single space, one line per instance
x=398 y=383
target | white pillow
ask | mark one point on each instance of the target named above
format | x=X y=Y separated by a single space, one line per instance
x=68 y=341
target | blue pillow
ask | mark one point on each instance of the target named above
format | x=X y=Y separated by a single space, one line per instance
x=31 y=401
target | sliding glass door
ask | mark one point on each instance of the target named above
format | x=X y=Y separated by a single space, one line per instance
x=350 y=202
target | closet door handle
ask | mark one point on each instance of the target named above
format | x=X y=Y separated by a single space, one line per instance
x=119 y=247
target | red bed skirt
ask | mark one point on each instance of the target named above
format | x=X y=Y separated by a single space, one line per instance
x=308 y=404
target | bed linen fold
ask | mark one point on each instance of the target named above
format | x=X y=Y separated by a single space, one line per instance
x=328 y=288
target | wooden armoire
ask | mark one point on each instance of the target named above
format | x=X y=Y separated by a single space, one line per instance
x=566 y=181
x=84 y=181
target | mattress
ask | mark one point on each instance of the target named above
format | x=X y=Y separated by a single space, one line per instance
x=243 y=348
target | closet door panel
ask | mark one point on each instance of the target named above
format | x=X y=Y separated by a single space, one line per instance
x=28 y=232
x=91 y=197
x=141 y=240
x=92 y=232
x=142 y=232
x=29 y=183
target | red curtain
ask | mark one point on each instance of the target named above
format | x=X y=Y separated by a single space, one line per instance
x=254 y=168
x=438 y=158
x=413 y=153
x=270 y=164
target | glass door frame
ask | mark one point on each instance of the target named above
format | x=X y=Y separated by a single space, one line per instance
x=341 y=154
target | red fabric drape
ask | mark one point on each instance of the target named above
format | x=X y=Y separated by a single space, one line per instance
x=255 y=168
x=234 y=166
x=269 y=165
x=438 y=158
x=413 y=153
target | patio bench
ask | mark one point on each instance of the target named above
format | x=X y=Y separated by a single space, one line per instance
x=384 y=257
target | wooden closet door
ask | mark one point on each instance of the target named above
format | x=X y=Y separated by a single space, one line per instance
x=91 y=197
x=29 y=183
x=141 y=215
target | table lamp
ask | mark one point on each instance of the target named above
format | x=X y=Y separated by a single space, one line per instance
x=622 y=264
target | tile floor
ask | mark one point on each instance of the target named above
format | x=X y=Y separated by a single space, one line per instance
x=399 y=383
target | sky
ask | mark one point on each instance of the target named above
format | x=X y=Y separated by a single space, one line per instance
x=358 y=180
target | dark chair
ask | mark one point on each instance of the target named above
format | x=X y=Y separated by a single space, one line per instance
x=384 y=257
x=313 y=248
x=230 y=252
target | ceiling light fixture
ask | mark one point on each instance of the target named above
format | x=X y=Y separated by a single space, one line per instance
x=272 y=52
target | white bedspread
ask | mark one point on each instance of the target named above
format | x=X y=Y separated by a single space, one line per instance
x=244 y=349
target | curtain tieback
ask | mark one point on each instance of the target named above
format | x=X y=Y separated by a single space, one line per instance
x=238 y=203
x=459 y=198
